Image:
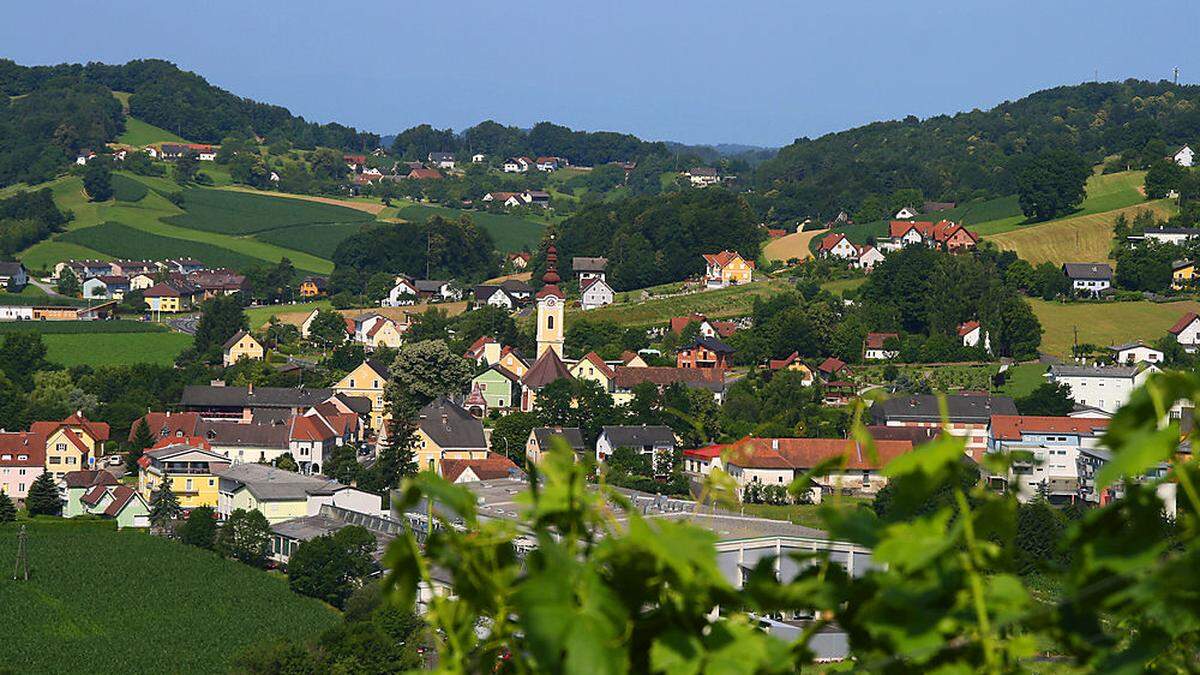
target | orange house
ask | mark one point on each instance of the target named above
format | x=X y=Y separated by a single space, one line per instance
x=312 y=287
x=727 y=268
x=705 y=352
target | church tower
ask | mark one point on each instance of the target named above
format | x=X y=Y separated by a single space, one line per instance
x=551 y=304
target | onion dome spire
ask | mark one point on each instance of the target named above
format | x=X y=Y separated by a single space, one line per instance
x=551 y=276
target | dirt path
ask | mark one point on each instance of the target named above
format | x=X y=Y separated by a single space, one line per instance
x=373 y=209
x=519 y=276
x=793 y=245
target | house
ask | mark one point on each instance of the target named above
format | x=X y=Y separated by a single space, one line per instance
x=16 y=313
x=478 y=158
x=118 y=502
x=424 y=174
x=536 y=198
x=1092 y=460
x=494 y=296
x=313 y=287
x=627 y=377
x=142 y=281
x=644 y=439
x=547 y=163
x=1089 y=279
x=907 y=213
x=500 y=389
x=1045 y=452
x=592 y=367
x=22 y=460
x=881 y=346
x=1183 y=156
x=836 y=245
x=218 y=401
x=540 y=439
x=173 y=150
x=1177 y=236
x=1187 y=332
x=712 y=329
x=833 y=368
x=520 y=260
x=867 y=258
x=447 y=431
x=548 y=368
x=727 y=268
x=967 y=415
x=509 y=199
x=85 y=155
x=516 y=165
x=241 y=345
x=792 y=363
x=404 y=292
x=71 y=444
x=702 y=176
x=105 y=287
x=13 y=276
x=287 y=536
x=1183 y=273
x=376 y=330
x=972 y=335
x=282 y=495
x=354 y=162
x=704 y=352
x=588 y=268
x=595 y=293
x=491 y=467
x=1135 y=352
x=369 y=381
x=512 y=361
x=192 y=468
x=441 y=160
x=203 y=152
x=1103 y=387
x=485 y=351
x=169 y=298
x=211 y=283
x=75 y=484
x=944 y=235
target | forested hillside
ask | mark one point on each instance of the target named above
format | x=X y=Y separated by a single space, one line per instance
x=972 y=154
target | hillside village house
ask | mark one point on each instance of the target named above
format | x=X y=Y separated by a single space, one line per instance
x=592 y=367
x=1135 y=352
x=627 y=377
x=793 y=364
x=520 y=260
x=13 y=276
x=369 y=381
x=168 y=298
x=1184 y=156
x=512 y=361
x=191 y=467
x=376 y=330
x=1053 y=444
x=588 y=268
x=441 y=160
x=517 y=165
x=550 y=163
x=867 y=258
x=968 y=415
x=540 y=439
x=447 y=431
x=478 y=158
x=1177 y=236
x=973 y=335
x=944 y=235
x=107 y=287
x=704 y=352
x=536 y=198
x=646 y=440
x=727 y=268
x=702 y=176
x=313 y=287
x=1106 y=388
x=117 y=502
x=1089 y=279
x=492 y=467
x=707 y=328
x=907 y=213
x=835 y=244
x=1187 y=332
x=22 y=460
x=1183 y=273
x=881 y=346
x=495 y=296
x=508 y=199
x=75 y=484
x=72 y=444
x=241 y=345
x=595 y=293
x=500 y=389
x=281 y=495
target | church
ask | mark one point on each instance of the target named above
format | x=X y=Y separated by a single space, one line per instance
x=551 y=311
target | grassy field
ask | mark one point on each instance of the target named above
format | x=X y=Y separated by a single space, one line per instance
x=141 y=133
x=1081 y=238
x=259 y=316
x=126 y=189
x=840 y=286
x=1104 y=193
x=794 y=245
x=509 y=233
x=318 y=240
x=238 y=213
x=123 y=241
x=1022 y=379
x=726 y=302
x=127 y=602
x=803 y=514
x=99 y=349
x=77 y=327
x=1106 y=324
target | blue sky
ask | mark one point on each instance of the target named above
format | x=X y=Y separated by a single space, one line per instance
x=756 y=72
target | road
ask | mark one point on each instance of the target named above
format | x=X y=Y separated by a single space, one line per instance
x=185 y=324
x=45 y=287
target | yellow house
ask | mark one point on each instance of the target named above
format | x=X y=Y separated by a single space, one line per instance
x=794 y=364
x=447 y=431
x=511 y=361
x=165 y=297
x=282 y=495
x=727 y=268
x=376 y=330
x=242 y=346
x=1183 y=273
x=369 y=380
x=592 y=367
x=193 y=472
x=73 y=444
x=312 y=287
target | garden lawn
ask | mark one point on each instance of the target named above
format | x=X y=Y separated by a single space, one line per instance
x=108 y=601
x=103 y=349
x=141 y=134
x=237 y=213
x=804 y=514
x=259 y=316
x=77 y=327
x=509 y=233
x=1022 y=379
x=840 y=286
x=1105 y=324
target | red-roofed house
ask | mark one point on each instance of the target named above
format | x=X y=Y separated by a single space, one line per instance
x=710 y=329
x=833 y=368
x=22 y=460
x=1052 y=444
x=944 y=234
x=727 y=268
x=1187 y=332
x=972 y=335
x=72 y=444
x=484 y=351
x=836 y=245
x=425 y=174
x=794 y=364
x=881 y=346
x=492 y=467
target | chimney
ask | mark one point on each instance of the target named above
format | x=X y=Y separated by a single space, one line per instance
x=774 y=443
x=250 y=389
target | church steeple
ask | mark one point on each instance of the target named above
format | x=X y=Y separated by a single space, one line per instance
x=550 y=307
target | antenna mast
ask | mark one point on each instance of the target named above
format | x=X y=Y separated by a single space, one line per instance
x=1176 y=71
x=21 y=569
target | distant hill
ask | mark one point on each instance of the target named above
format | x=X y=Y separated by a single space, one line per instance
x=750 y=154
x=970 y=154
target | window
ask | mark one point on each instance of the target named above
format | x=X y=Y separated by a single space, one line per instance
x=61 y=447
x=21 y=457
x=56 y=460
x=550 y=322
x=188 y=485
x=352 y=383
x=5 y=456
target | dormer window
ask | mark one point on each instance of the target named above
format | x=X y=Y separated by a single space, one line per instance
x=22 y=457
x=6 y=457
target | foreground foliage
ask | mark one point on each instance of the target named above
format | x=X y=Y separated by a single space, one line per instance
x=600 y=594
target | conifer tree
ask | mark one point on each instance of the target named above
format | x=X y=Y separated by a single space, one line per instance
x=8 y=510
x=164 y=505
x=42 y=499
x=142 y=439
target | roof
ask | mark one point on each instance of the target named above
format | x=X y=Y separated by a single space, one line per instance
x=164 y=424
x=678 y=323
x=940 y=231
x=1181 y=265
x=594 y=359
x=1060 y=370
x=319 y=282
x=723 y=258
x=1131 y=345
x=572 y=435
x=490 y=468
x=97 y=430
x=959 y=408
x=580 y=264
x=967 y=328
x=516 y=286
x=163 y=290
x=450 y=426
x=510 y=376
x=17 y=443
x=377 y=365
x=831 y=365
x=1010 y=427
x=805 y=453
x=1183 y=322
x=1092 y=271
x=207 y=396
x=94 y=494
x=423 y=173
x=711 y=344
x=87 y=479
x=638 y=436
x=122 y=495
x=268 y=483
x=429 y=285
x=545 y=370
x=830 y=240
x=234 y=340
x=777 y=364
x=627 y=377
x=877 y=340
x=702 y=171
x=311 y=428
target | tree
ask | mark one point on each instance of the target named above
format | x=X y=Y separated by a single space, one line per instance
x=428 y=369
x=1049 y=281
x=186 y=168
x=42 y=498
x=1163 y=177
x=245 y=537
x=97 y=180
x=8 y=510
x=328 y=328
x=510 y=433
x=333 y=566
x=1048 y=399
x=68 y=283
x=22 y=354
x=1051 y=183
x=286 y=462
x=164 y=505
x=220 y=318
x=200 y=528
x=142 y=439
x=1039 y=538
x=342 y=465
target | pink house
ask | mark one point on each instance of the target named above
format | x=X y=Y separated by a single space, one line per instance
x=22 y=460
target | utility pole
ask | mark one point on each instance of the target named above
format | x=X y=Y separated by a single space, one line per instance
x=21 y=569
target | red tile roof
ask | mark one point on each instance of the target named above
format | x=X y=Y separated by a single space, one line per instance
x=493 y=467
x=723 y=258
x=599 y=363
x=967 y=328
x=831 y=365
x=310 y=429
x=830 y=240
x=627 y=377
x=1010 y=427
x=92 y=496
x=19 y=443
x=87 y=479
x=805 y=453
x=424 y=174
x=1183 y=322
x=877 y=340
x=122 y=495
x=164 y=425
x=778 y=364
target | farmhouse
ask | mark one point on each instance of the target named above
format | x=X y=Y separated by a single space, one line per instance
x=702 y=176
x=537 y=198
x=1177 y=236
x=907 y=213
x=1135 y=352
x=973 y=335
x=881 y=346
x=441 y=160
x=1089 y=279
x=1183 y=156
x=241 y=345
x=588 y=268
x=509 y=199
x=13 y=276
x=492 y=467
x=1106 y=388
x=424 y=174
x=835 y=244
x=595 y=292
x=727 y=268
x=1187 y=332
x=516 y=165
x=944 y=235
x=793 y=364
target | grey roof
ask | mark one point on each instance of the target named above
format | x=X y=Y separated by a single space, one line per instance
x=379 y=367
x=308 y=527
x=484 y=293
x=589 y=264
x=9 y=269
x=1190 y=231
x=233 y=340
x=1093 y=271
x=258 y=434
x=206 y=396
x=268 y=483
x=451 y=426
x=959 y=408
x=359 y=404
x=703 y=171
x=429 y=285
x=711 y=344
x=441 y=157
x=1130 y=345
x=512 y=286
x=639 y=436
x=1094 y=371
x=572 y=435
x=1181 y=264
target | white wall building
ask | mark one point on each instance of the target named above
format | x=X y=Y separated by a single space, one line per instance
x=1106 y=388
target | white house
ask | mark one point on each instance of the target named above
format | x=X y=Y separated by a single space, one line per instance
x=403 y=293
x=15 y=313
x=1183 y=156
x=907 y=213
x=971 y=333
x=441 y=160
x=836 y=245
x=594 y=293
x=1169 y=235
x=703 y=176
x=868 y=257
x=1091 y=279
x=876 y=347
x=1187 y=332
x=494 y=296
x=1053 y=444
x=516 y=165
x=478 y=158
x=646 y=440
x=13 y=276
x=1103 y=387
x=1134 y=353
